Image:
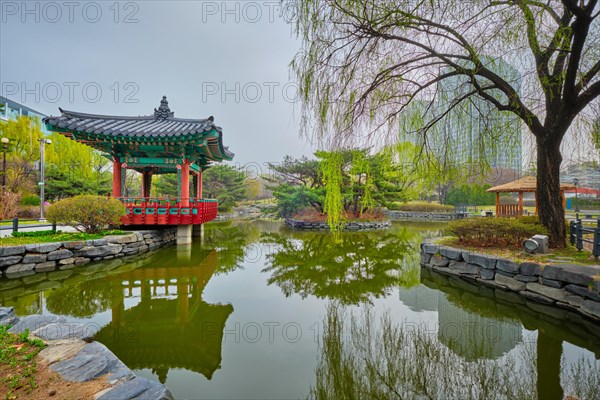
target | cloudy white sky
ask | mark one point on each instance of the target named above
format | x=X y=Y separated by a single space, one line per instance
x=228 y=59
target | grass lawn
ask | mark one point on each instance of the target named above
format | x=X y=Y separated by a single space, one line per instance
x=567 y=255
x=50 y=236
x=17 y=363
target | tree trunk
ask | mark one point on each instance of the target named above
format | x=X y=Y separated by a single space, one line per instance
x=550 y=203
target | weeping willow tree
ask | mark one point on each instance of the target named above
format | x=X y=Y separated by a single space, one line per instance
x=362 y=63
x=331 y=170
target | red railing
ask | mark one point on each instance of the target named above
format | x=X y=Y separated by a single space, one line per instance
x=509 y=210
x=154 y=211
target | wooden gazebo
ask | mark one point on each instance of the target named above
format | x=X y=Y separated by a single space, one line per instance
x=153 y=144
x=527 y=184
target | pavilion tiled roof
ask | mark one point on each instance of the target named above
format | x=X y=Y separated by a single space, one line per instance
x=525 y=184
x=161 y=126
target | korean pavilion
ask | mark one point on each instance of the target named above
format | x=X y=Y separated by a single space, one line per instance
x=155 y=144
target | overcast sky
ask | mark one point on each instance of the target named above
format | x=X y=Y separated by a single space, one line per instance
x=226 y=59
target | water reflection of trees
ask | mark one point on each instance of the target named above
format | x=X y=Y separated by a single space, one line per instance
x=351 y=268
x=363 y=357
x=81 y=299
x=232 y=240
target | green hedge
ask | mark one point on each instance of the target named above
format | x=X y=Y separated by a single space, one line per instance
x=87 y=213
x=421 y=206
x=495 y=232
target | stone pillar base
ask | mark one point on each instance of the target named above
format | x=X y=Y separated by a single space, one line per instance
x=184 y=234
x=198 y=231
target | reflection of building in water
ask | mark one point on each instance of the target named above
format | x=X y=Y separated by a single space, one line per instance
x=474 y=336
x=467 y=333
x=170 y=326
x=419 y=298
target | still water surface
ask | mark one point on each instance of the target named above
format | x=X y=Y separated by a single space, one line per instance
x=241 y=315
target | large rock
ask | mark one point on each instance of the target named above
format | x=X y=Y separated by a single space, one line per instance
x=74 y=245
x=70 y=331
x=46 y=266
x=555 y=294
x=591 y=308
x=483 y=260
x=115 y=248
x=578 y=274
x=530 y=269
x=526 y=278
x=139 y=389
x=42 y=247
x=509 y=282
x=19 y=270
x=7 y=316
x=92 y=361
x=80 y=368
x=60 y=255
x=79 y=261
x=12 y=251
x=464 y=268
x=425 y=257
x=93 y=251
x=439 y=261
x=10 y=260
x=451 y=253
x=552 y=283
x=583 y=292
x=34 y=322
x=34 y=258
x=96 y=242
x=487 y=274
x=121 y=239
x=507 y=266
x=62 y=351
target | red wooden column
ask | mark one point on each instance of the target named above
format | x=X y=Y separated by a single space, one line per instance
x=116 y=183
x=185 y=184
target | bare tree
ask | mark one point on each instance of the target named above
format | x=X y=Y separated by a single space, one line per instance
x=363 y=62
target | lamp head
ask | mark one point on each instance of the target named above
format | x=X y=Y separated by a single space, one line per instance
x=4 y=140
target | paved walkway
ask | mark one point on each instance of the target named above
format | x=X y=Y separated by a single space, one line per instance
x=7 y=230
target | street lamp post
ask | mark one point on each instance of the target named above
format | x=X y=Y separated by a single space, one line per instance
x=576 y=182
x=4 y=148
x=43 y=142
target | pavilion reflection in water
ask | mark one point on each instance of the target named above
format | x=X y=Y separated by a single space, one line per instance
x=170 y=326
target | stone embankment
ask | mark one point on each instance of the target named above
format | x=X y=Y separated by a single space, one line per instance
x=70 y=353
x=421 y=216
x=350 y=226
x=25 y=260
x=566 y=287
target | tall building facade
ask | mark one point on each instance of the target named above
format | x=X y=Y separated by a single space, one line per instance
x=473 y=133
x=11 y=110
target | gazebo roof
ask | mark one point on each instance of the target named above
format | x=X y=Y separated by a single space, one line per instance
x=126 y=135
x=525 y=184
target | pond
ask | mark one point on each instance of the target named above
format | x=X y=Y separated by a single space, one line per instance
x=256 y=310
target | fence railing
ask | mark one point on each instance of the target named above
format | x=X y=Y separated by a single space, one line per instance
x=16 y=223
x=578 y=232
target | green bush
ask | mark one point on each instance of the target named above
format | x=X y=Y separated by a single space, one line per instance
x=421 y=206
x=471 y=194
x=86 y=213
x=494 y=232
x=32 y=200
